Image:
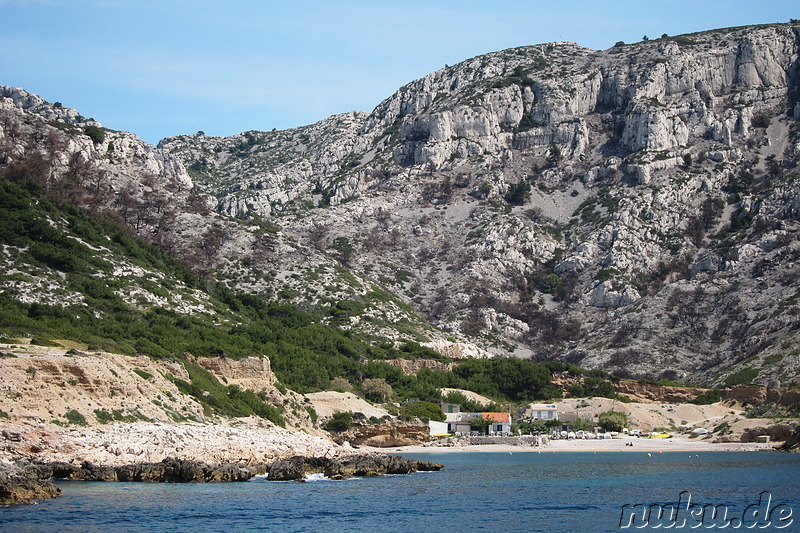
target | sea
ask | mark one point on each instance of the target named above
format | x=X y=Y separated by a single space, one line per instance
x=518 y=491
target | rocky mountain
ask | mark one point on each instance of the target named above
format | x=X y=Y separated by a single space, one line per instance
x=634 y=209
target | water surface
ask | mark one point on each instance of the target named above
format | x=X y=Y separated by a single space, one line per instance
x=523 y=491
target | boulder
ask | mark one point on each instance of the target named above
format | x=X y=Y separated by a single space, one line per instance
x=376 y=465
x=170 y=470
x=295 y=468
x=776 y=433
x=25 y=484
x=792 y=443
x=360 y=465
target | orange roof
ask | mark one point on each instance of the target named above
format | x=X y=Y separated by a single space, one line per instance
x=497 y=417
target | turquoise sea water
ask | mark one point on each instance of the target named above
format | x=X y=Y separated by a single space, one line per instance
x=523 y=491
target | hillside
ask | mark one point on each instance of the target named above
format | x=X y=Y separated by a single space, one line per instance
x=86 y=286
x=634 y=209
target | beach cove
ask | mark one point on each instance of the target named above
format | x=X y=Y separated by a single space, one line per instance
x=623 y=444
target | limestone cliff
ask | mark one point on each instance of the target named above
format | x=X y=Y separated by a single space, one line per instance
x=635 y=209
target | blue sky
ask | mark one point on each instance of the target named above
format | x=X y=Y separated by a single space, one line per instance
x=168 y=67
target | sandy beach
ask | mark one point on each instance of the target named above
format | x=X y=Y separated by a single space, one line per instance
x=640 y=445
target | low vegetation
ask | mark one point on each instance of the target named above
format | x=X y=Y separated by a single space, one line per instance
x=340 y=421
x=425 y=411
x=75 y=417
x=613 y=420
x=57 y=241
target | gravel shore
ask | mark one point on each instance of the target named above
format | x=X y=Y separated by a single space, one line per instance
x=644 y=445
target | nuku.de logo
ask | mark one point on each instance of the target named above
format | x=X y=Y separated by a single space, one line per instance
x=687 y=515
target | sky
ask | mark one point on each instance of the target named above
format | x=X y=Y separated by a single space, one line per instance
x=170 y=67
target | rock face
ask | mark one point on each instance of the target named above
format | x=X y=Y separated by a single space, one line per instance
x=170 y=470
x=385 y=435
x=744 y=394
x=250 y=372
x=40 y=383
x=612 y=208
x=368 y=465
x=792 y=443
x=25 y=485
x=657 y=393
x=412 y=366
x=776 y=433
x=635 y=209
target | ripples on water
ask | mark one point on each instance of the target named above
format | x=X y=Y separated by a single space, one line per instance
x=523 y=491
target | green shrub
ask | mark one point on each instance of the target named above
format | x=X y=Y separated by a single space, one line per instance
x=57 y=257
x=344 y=247
x=547 y=283
x=605 y=274
x=413 y=350
x=503 y=377
x=425 y=411
x=118 y=415
x=44 y=341
x=467 y=405
x=518 y=193
x=95 y=133
x=339 y=422
x=246 y=400
x=103 y=416
x=376 y=389
x=613 y=421
x=143 y=374
x=312 y=413
x=742 y=377
x=708 y=397
x=686 y=41
x=74 y=417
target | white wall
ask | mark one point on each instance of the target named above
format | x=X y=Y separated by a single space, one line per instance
x=437 y=428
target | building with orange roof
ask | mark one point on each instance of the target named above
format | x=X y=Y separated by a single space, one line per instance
x=499 y=423
x=462 y=423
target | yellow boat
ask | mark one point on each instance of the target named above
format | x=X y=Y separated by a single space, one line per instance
x=660 y=436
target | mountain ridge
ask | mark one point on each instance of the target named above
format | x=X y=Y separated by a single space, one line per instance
x=633 y=209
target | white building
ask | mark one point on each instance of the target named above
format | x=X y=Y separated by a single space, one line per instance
x=464 y=423
x=542 y=411
x=500 y=423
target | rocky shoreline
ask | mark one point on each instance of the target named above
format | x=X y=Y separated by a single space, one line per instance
x=343 y=467
x=26 y=482
x=23 y=482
